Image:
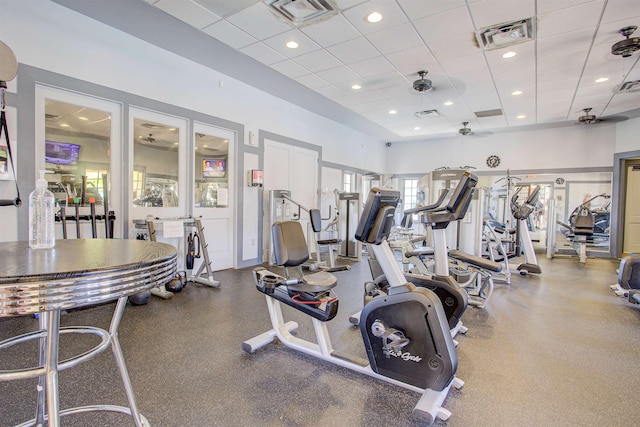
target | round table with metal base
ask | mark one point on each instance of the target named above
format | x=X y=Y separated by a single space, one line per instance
x=73 y=274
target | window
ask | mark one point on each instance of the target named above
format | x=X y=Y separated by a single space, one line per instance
x=95 y=181
x=346 y=182
x=410 y=193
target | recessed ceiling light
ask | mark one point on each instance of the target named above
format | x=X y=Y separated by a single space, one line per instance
x=509 y=54
x=602 y=79
x=416 y=128
x=520 y=116
x=356 y=87
x=448 y=103
x=291 y=44
x=82 y=118
x=374 y=17
x=393 y=111
x=516 y=92
x=205 y=146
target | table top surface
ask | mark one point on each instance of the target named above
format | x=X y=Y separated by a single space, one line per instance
x=78 y=258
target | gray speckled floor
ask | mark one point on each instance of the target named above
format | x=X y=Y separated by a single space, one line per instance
x=556 y=350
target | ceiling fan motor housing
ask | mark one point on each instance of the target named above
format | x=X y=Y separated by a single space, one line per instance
x=628 y=46
x=422 y=84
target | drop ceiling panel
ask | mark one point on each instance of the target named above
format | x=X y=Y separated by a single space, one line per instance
x=394 y=39
x=189 y=12
x=444 y=25
x=331 y=31
x=454 y=46
x=279 y=43
x=338 y=75
x=258 y=21
x=318 y=60
x=391 y=12
x=263 y=53
x=229 y=34
x=546 y=6
x=571 y=19
x=312 y=81
x=416 y=8
x=412 y=60
x=331 y=92
x=355 y=50
x=567 y=42
x=554 y=62
x=372 y=67
x=491 y=12
x=620 y=10
x=225 y=8
x=290 y=69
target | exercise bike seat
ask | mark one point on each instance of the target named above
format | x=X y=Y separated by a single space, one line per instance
x=290 y=250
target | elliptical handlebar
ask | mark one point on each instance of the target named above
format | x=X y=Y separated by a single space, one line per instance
x=431 y=207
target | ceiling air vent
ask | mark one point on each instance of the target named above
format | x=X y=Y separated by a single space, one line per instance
x=631 y=86
x=488 y=113
x=507 y=34
x=426 y=113
x=302 y=12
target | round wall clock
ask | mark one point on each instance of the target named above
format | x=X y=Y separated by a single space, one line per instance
x=493 y=161
x=559 y=181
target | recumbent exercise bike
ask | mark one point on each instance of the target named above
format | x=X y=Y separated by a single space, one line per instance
x=405 y=333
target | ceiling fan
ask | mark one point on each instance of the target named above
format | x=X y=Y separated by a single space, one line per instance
x=589 y=119
x=466 y=130
x=149 y=138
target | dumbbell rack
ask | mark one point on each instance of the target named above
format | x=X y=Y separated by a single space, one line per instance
x=197 y=278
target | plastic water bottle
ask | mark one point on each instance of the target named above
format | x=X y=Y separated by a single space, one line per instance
x=42 y=206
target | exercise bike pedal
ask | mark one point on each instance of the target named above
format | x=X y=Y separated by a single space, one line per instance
x=457 y=383
x=443 y=414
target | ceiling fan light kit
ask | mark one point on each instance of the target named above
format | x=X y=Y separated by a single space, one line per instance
x=422 y=84
x=628 y=46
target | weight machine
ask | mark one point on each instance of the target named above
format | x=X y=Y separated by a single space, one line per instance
x=189 y=224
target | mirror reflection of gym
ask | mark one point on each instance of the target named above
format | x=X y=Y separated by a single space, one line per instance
x=155 y=171
x=211 y=171
x=77 y=142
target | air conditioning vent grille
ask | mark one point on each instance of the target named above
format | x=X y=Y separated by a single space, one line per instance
x=427 y=113
x=630 y=86
x=489 y=113
x=302 y=12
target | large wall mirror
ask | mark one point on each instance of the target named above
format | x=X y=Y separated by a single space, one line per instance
x=570 y=191
x=79 y=144
x=157 y=181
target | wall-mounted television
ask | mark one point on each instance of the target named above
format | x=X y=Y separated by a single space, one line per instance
x=214 y=168
x=61 y=153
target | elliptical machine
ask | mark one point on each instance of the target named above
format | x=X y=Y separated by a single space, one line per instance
x=405 y=333
x=521 y=213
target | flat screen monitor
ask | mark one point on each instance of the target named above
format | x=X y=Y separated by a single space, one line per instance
x=214 y=168
x=61 y=153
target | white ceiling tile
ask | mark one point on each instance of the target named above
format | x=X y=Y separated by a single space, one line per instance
x=567 y=42
x=279 y=42
x=444 y=25
x=371 y=67
x=553 y=62
x=318 y=60
x=263 y=53
x=331 y=92
x=225 y=8
x=353 y=50
x=394 y=39
x=620 y=10
x=471 y=61
x=622 y=102
x=346 y=4
x=454 y=46
x=331 y=31
x=290 y=68
x=553 y=79
x=417 y=9
x=392 y=15
x=258 y=21
x=514 y=70
x=546 y=6
x=561 y=92
x=312 y=81
x=524 y=52
x=338 y=75
x=412 y=60
x=571 y=19
x=229 y=34
x=609 y=33
x=189 y=12
x=492 y=12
